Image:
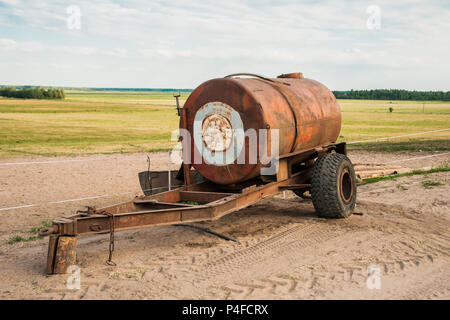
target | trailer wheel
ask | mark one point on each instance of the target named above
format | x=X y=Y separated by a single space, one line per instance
x=333 y=186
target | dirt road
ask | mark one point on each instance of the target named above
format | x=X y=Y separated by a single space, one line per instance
x=284 y=250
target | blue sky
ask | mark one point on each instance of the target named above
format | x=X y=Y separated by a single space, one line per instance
x=183 y=43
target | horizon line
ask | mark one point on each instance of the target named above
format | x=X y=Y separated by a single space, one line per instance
x=176 y=89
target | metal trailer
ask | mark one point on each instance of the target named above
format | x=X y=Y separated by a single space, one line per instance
x=323 y=170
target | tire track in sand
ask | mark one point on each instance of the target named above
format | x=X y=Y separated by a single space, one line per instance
x=286 y=243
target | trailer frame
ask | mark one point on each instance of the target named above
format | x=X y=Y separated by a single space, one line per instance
x=212 y=201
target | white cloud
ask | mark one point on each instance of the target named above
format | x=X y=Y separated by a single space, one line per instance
x=10 y=2
x=12 y=45
x=180 y=43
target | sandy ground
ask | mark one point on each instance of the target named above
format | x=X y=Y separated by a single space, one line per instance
x=284 y=250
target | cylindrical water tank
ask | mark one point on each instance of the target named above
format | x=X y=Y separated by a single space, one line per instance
x=305 y=113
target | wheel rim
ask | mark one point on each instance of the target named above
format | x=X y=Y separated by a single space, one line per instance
x=347 y=187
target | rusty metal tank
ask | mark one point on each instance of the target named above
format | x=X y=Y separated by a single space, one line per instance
x=304 y=111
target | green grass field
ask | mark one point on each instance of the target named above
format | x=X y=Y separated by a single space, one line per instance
x=371 y=119
x=117 y=122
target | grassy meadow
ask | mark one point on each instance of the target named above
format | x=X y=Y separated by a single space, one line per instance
x=123 y=121
x=371 y=119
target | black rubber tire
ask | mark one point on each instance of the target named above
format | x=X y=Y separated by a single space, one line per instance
x=333 y=186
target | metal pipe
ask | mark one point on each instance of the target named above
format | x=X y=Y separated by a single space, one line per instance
x=168 y=173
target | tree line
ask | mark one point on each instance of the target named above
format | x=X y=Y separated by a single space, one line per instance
x=393 y=94
x=32 y=93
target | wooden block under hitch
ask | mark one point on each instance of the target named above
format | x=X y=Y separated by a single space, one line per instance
x=61 y=253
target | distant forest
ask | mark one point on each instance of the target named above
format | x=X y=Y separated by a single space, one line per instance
x=32 y=93
x=393 y=94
